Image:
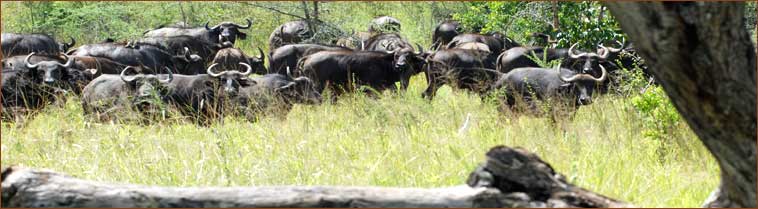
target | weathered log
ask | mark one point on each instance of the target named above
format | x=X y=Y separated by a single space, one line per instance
x=510 y=178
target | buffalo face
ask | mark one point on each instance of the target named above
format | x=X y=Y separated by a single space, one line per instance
x=231 y=80
x=582 y=85
x=148 y=89
x=406 y=60
x=587 y=60
x=51 y=72
x=228 y=31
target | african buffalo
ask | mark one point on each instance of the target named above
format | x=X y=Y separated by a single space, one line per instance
x=22 y=44
x=108 y=95
x=177 y=44
x=289 y=33
x=444 y=33
x=496 y=42
x=21 y=94
x=467 y=69
x=387 y=42
x=275 y=94
x=384 y=24
x=204 y=97
x=545 y=83
x=582 y=62
x=224 y=31
x=150 y=56
x=377 y=69
x=229 y=58
x=287 y=56
x=50 y=70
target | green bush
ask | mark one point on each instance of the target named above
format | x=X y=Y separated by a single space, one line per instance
x=659 y=117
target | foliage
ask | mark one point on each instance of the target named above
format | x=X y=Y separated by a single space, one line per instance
x=577 y=21
x=659 y=116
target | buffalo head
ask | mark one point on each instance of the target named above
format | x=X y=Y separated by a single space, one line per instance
x=231 y=80
x=50 y=71
x=228 y=31
x=406 y=60
x=587 y=60
x=300 y=90
x=148 y=89
x=581 y=84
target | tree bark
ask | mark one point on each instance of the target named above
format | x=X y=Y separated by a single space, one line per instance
x=509 y=178
x=701 y=54
x=556 y=22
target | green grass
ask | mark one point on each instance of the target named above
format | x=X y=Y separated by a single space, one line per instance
x=397 y=140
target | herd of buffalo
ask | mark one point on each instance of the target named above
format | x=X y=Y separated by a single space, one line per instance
x=199 y=71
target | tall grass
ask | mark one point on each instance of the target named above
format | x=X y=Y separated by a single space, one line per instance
x=395 y=140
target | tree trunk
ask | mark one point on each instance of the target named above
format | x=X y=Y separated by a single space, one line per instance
x=701 y=54
x=509 y=178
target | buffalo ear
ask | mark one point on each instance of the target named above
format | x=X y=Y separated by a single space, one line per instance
x=245 y=82
x=91 y=71
x=242 y=35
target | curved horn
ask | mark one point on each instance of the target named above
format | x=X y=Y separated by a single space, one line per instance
x=571 y=52
x=248 y=71
x=249 y=23
x=70 y=44
x=621 y=45
x=420 y=49
x=123 y=73
x=605 y=53
x=69 y=61
x=603 y=75
x=187 y=53
x=210 y=71
x=569 y=79
x=26 y=61
x=261 y=56
x=206 y=26
x=170 y=75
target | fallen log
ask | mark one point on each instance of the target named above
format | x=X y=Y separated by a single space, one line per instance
x=509 y=178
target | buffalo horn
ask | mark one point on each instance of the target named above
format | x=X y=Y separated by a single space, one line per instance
x=210 y=71
x=249 y=23
x=571 y=52
x=420 y=49
x=605 y=52
x=26 y=61
x=603 y=75
x=123 y=74
x=261 y=56
x=170 y=75
x=69 y=61
x=249 y=69
x=569 y=79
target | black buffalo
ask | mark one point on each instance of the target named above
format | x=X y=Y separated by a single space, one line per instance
x=225 y=31
x=229 y=58
x=444 y=33
x=496 y=42
x=21 y=94
x=110 y=95
x=51 y=71
x=581 y=62
x=384 y=24
x=542 y=83
x=150 y=56
x=177 y=44
x=204 y=98
x=275 y=94
x=378 y=70
x=289 y=33
x=467 y=69
x=23 y=44
x=286 y=57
